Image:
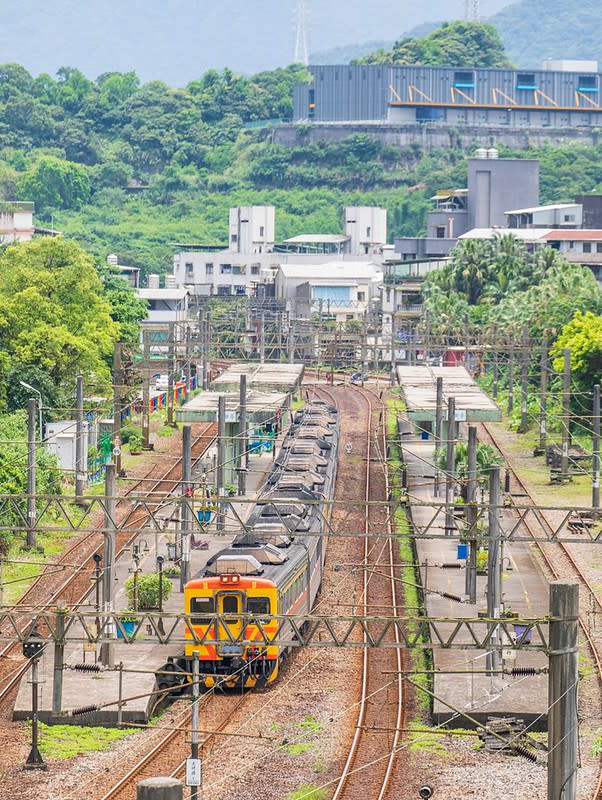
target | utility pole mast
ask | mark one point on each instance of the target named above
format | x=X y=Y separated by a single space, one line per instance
x=473 y=10
x=301 y=53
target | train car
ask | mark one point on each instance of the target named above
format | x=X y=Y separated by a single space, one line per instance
x=273 y=567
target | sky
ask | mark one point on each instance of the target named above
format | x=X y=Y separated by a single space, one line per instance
x=177 y=40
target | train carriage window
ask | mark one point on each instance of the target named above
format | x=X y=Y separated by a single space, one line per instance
x=204 y=607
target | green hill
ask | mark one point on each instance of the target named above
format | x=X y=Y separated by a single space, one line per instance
x=533 y=30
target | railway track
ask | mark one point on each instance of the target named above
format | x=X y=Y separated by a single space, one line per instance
x=561 y=563
x=369 y=765
x=47 y=589
x=168 y=755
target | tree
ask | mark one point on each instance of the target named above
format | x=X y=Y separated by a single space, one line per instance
x=454 y=44
x=54 y=320
x=583 y=337
x=53 y=184
x=126 y=309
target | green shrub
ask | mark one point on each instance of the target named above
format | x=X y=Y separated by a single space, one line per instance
x=147 y=591
x=128 y=431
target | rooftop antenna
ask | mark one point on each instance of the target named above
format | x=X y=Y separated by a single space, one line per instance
x=301 y=56
x=473 y=10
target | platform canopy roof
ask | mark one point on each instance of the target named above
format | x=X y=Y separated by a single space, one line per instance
x=419 y=387
x=262 y=377
x=261 y=407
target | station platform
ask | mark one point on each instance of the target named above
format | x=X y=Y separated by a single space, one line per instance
x=525 y=590
x=81 y=689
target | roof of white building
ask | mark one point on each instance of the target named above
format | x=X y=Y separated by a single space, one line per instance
x=339 y=270
x=524 y=234
x=321 y=238
x=554 y=207
x=162 y=294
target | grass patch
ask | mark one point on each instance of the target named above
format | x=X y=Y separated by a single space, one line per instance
x=307 y=792
x=409 y=573
x=67 y=741
x=297 y=748
x=310 y=725
x=166 y=431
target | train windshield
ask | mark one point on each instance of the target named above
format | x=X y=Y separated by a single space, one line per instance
x=202 y=608
x=258 y=605
x=230 y=605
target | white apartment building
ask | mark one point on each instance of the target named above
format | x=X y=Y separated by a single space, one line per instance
x=16 y=222
x=248 y=266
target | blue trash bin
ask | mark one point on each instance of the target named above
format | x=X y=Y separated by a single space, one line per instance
x=424 y=435
x=462 y=551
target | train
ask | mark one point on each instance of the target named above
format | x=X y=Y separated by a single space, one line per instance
x=274 y=566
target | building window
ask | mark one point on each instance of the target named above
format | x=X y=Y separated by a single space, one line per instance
x=569 y=217
x=587 y=83
x=464 y=80
x=368 y=232
x=599 y=247
x=440 y=231
x=225 y=269
x=208 y=269
x=348 y=317
x=261 y=231
x=254 y=269
x=526 y=80
x=571 y=245
x=189 y=269
x=361 y=297
x=240 y=290
x=587 y=247
x=237 y=269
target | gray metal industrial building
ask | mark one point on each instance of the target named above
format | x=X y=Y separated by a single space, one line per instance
x=489 y=97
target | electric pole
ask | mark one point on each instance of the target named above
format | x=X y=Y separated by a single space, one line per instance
x=80 y=465
x=146 y=391
x=524 y=383
x=543 y=393
x=221 y=460
x=596 y=449
x=108 y=582
x=31 y=472
x=242 y=437
x=450 y=465
x=494 y=587
x=471 y=516
x=566 y=416
x=186 y=528
x=563 y=723
x=117 y=380
x=170 y=372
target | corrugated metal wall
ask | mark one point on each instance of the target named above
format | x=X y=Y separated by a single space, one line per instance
x=351 y=93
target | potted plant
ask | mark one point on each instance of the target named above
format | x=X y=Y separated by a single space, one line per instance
x=171 y=571
x=482 y=561
x=143 y=591
x=128 y=621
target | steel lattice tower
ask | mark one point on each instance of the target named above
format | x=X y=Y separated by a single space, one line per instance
x=473 y=10
x=301 y=54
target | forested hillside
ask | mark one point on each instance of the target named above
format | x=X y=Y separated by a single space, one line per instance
x=130 y=168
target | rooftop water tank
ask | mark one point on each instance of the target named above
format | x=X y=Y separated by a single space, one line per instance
x=493 y=153
x=481 y=152
x=170 y=281
x=153 y=281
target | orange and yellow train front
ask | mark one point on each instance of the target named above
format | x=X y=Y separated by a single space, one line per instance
x=228 y=655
